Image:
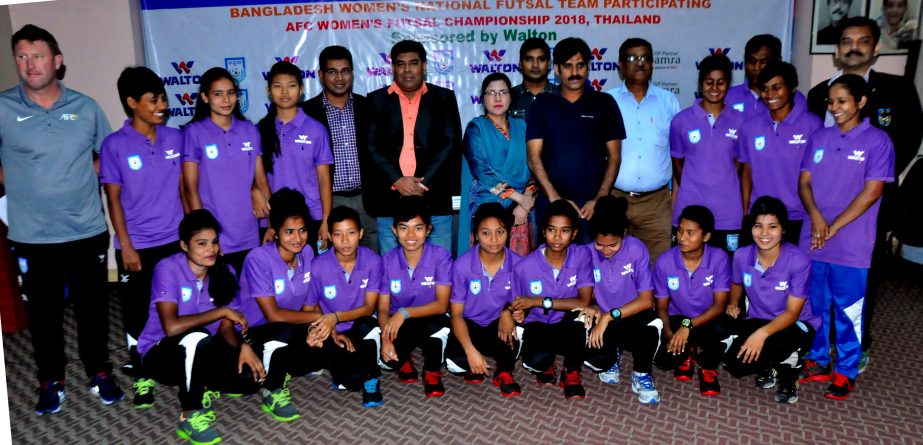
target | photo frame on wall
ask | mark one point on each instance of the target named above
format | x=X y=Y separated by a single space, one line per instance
x=827 y=14
x=899 y=21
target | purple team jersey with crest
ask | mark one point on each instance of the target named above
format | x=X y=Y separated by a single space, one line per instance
x=174 y=282
x=303 y=145
x=227 y=165
x=690 y=295
x=484 y=297
x=709 y=170
x=409 y=289
x=265 y=274
x=775 y=154
x=741 y=98
x=148 y=174
x=619 y=279
x=767 y=292
x=534 y=277
x=334 y=292
x=840 y=164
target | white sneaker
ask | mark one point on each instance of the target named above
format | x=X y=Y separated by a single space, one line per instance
x=611 y=376
x=643 y=385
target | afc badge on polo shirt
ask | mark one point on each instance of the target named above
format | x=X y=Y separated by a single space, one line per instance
x=535 y=287
x=597 y=275
x=211 y=151
x=884 y=117
x=818 y=155
x=474 y=286
x=733 y=241
x=738 y=106
x=134 y=162
x=395 y=286
x=330 y=292
x=185 y=293
x=748 y=279
x=695 y=136
x=759 y=143
x=673 y=283
x=279 y=285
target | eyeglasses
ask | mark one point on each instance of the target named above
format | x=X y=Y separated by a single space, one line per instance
x=638 y=60
x=497 y=94
x=343 y=72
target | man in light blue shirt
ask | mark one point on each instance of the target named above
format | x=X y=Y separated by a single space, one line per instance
x=48 y=137
x=645 y=173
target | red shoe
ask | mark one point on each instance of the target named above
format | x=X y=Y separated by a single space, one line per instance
x=549 y=377
x=508 y=386
x=840 y=388
x=684 y=371
x=432 y=384
x=407 y=373
x=573 y=388
x=474 y=379
x=814 y=372
x=708 y=382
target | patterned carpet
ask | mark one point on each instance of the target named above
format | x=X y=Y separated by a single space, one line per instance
x=885 y=409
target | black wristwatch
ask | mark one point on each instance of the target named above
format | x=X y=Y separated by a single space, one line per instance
x=616 y=314
x=546 y=304
x=686 y=323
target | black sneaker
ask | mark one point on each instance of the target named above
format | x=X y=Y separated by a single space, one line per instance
x=708 y=382
x=432 y=384
x=508 y=386
x=144 y=393
x=371 y=393
x=840 y=388
x=407 y=373
x=104 y=386
x=766 y=379
x=685 y=370
x=787 y=391
x=573 y=389
x=548 y=377
x=50 y=396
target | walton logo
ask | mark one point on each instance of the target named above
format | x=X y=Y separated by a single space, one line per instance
x=185 y=98
x=598 y=53
x=798 y=139
x=596 y=62
x=186 y=104
x=598 y=84
x=495 y=55
x=381 y=70
x=719 y=51
x=386 y=58
x=293 y=59
x=857 y=155
x=183 y=66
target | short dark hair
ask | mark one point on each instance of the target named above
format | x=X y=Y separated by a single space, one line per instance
x=136 y=81
x=609 y=217
x=701 y=216
x=853 y=83
x=533 y=43
x=32 y=33
x=342 y=213
x=410 y=207
x=561 y=207
x=492 y=210
x=778 y=68
x=716 y=62
x=632 y=43
x=334 y=52
x=570 y=47
x=408 y=46
x=287 y=203
x=860 y=21
x=769 y=205
x=764 y=40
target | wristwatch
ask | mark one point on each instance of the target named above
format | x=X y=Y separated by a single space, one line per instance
x=616 y=314
x=546 y=304
x=687 y=323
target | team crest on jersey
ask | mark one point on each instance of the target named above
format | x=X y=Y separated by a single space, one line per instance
x=23 y=265
x=759 y=143
x=395 y=286
x=211 y=151
x=279 y=285
x=474 y=286
x=673 y=283
x=597 y=275
x=695 y=136
x=535 y=287
x=748 y=279
x=134 y=162
x=884 y=117
x=185 y=293
x=733 y=241
x=738 y=107
x=330 y=292
x=818 y=155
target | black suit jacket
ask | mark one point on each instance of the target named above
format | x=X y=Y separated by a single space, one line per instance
x=437 y=146
x=314 y=107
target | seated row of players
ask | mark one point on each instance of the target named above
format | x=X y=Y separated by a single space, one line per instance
x=294 y=314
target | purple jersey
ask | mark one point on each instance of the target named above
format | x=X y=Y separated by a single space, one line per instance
x=484 y=297
x=767 y=292
x=709 y=170
x=775 y=154
x=744 y=100
x=227 y=165
x=334 y=291
x=418 y=287
x=534 y=277
x=691 y=294
x=303 y=145
x=840 y=164
x=265 y=274
x=174 y=282
x=148 y=176
x=619 y=279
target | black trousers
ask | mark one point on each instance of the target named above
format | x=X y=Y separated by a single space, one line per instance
x=351 y=369
x=135 y=287
x=486 y=341
x=782 y=350
x=542 y=342
x=53 y=275
x=213 y=367
x=287 y=350
x=639 y=333
x=429 y=334
x=705 y=342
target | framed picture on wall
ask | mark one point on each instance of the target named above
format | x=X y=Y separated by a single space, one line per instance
x=899 y=21
x=827 y=15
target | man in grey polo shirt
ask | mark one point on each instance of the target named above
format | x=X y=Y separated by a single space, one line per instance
x=48 y=137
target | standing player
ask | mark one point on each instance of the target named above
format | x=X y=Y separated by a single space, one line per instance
x=759 y=51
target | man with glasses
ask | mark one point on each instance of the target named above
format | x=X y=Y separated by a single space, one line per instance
x=344 y=114
x=535 y=65
x=645 y=175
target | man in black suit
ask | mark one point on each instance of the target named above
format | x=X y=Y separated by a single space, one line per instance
x=893 y=106
x=414 y=146
x=344 y=114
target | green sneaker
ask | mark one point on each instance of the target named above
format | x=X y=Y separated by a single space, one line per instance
x=144 y=393
x=863 y=362
x=207 y=398
x=278 y=403
x=197 y=428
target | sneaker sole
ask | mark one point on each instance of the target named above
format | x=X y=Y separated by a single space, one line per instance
x=372 y=404
x=510 y=394
x=711 y=393
x=435 y=394
x=95 y=391
x=144 y=406
x=817 y=378
x=648 y=402
x=185 y=436
x=683 y=378
x=474 y=382
x=408 y=381
x=268 y=410
x=832 y=396
x=791 y=401
x=575 y=397
x=61 y=397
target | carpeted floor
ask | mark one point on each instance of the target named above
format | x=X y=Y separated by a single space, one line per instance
x=885 y=409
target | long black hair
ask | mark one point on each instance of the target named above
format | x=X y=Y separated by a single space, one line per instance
x=202 y=109
x=222 y=284
x=267 y=125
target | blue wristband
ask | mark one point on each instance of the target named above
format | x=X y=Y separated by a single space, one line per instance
x=404 y=313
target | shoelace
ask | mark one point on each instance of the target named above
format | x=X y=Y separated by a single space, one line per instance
x=686 y=364
x=371 y=385
x=840 y=380
x=572 y=378
x=144 y=386
x=505 y=378
x=407 y=368
x=208 y=397
x=202 y=420
x=431 y=378
x=551 y=372
x=709 y=375
x=281 y=398
x=646 y=382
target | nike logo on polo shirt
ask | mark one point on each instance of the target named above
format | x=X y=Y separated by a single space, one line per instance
x=20 y=118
